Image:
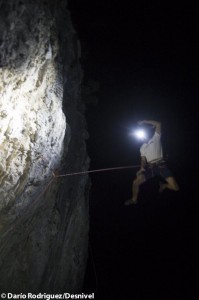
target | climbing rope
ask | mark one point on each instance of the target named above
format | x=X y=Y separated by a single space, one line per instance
x=57 y=175
x=95 y=171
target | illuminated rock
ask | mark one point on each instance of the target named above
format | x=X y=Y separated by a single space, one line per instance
x=43 y=229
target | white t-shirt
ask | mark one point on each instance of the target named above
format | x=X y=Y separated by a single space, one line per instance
x=153 y=149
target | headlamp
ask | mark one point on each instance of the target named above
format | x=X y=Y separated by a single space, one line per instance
x=139 y=134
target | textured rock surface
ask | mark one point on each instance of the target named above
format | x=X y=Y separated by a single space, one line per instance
x=43 y=227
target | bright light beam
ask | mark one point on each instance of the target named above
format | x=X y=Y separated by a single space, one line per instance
x=139 y=134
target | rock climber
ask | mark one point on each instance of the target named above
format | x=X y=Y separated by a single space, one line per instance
x=152 y=164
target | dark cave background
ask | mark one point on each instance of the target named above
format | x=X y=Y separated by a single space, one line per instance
x=145 y=59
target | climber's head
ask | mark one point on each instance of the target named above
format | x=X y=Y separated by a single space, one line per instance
x=140 y=134
x=143 y=133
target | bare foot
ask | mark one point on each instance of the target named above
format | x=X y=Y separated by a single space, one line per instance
x=130 y=202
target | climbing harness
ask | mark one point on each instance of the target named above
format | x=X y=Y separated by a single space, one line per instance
x=160 y=165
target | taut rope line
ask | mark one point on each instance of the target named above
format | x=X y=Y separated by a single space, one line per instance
x=95 y=171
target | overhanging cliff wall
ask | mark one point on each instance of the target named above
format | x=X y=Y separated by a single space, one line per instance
x=43 y=223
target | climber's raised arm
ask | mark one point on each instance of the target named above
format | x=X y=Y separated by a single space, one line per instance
x=155 y=124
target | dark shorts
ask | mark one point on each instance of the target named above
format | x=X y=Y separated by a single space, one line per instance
x=157 y=170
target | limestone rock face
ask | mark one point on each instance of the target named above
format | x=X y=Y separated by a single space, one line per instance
x=43 y=219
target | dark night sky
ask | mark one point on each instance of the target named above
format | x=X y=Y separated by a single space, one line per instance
x=145 y=58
